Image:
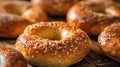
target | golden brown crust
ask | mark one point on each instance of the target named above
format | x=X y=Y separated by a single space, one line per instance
x=2 y=10
x=53 y=44
x=34 y=15
x=11 y=22
x=11 y=25
x=88 y=17
x=23 y=8
x=109 y=41
x=13 y=18
x=54 y=7
x=15 y=7
x=11 y=58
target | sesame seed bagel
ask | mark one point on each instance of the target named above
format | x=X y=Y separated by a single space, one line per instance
x=11 y=58
x=53 y=44
x=109 y=41
x=93 y=17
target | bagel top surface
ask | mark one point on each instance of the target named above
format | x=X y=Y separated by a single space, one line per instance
x=109 y=41
x=11 y=25
x=109 y=33
x=92 y=12
x=55 y=42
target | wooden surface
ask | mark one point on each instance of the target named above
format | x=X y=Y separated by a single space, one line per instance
x=94 y=59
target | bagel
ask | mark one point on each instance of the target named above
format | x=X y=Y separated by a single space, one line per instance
x=93 y=17
x=11 y=58
x=109 y=41
x=11 y=25
x=15 y=16
x=24 y=9
x=53 y=44
x=54 y=7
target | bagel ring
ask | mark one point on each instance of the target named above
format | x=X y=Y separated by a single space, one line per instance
x=88 y=17
x=109 y=41
x=53 y=44
x=11 y=58
x=15 y=16
x=11 y=25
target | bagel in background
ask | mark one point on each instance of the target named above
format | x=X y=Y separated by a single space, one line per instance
x=16 y=15
x=109 y=41
x=93 y=17
x=11 y=58
x=24 y=9
x=54 y=7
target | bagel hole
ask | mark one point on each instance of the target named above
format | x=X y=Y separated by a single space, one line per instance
x=97 y=8
x=51 y=34
x=13 y=9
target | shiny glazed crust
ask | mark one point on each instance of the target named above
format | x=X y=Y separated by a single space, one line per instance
x=11 y=58
x=54 y=7
x=88 y=17
x=53 y=44
x=109 y=41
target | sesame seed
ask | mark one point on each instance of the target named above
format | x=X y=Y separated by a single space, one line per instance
x=55 y=52
x=32 y=56
x=68 y=53
x=36 y=51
